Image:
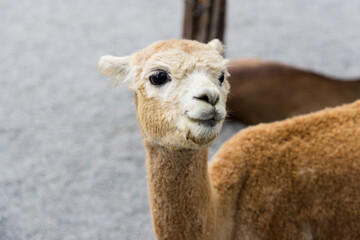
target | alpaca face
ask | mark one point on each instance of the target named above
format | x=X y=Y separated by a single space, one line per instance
x=181 y=90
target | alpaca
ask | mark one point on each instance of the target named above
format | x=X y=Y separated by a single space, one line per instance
x=269 y=91
x=296 y=179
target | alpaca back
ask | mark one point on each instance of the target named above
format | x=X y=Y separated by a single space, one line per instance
x=295 y=179
x=268 y=91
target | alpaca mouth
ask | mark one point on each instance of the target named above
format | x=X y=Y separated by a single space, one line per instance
x=207 y=119
x=207 y=123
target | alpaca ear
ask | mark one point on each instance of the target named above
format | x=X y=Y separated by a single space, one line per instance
x=117 y=68
x=217 y=45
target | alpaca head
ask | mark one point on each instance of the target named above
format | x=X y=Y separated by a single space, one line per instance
x=180 y=90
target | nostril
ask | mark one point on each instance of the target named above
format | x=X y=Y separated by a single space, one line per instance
x=205 y=98
x=216 y=101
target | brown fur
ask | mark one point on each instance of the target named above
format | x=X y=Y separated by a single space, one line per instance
x=296 y=179
x=269 y=91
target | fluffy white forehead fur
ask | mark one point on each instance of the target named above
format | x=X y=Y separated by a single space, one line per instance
x=185 y=71
x=173 y=58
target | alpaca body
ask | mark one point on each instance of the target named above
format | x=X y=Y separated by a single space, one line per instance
x=296 y=179
x=268 y=91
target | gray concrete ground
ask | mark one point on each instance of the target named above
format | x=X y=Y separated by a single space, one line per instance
x=71 y=159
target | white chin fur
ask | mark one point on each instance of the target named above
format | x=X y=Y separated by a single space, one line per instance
x=198 y=131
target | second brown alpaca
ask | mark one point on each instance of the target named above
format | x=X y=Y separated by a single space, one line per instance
x=269 y=91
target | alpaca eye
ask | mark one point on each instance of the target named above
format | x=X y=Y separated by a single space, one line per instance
x=159 y=78
x=221 y=78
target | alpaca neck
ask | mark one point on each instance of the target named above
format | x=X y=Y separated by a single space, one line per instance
x=179 y=193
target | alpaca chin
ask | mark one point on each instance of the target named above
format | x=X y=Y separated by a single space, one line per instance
x=201 y=133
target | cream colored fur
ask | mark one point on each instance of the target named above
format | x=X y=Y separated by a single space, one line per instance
x=296 y=179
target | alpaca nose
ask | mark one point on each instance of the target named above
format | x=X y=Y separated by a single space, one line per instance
x=207 y=95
